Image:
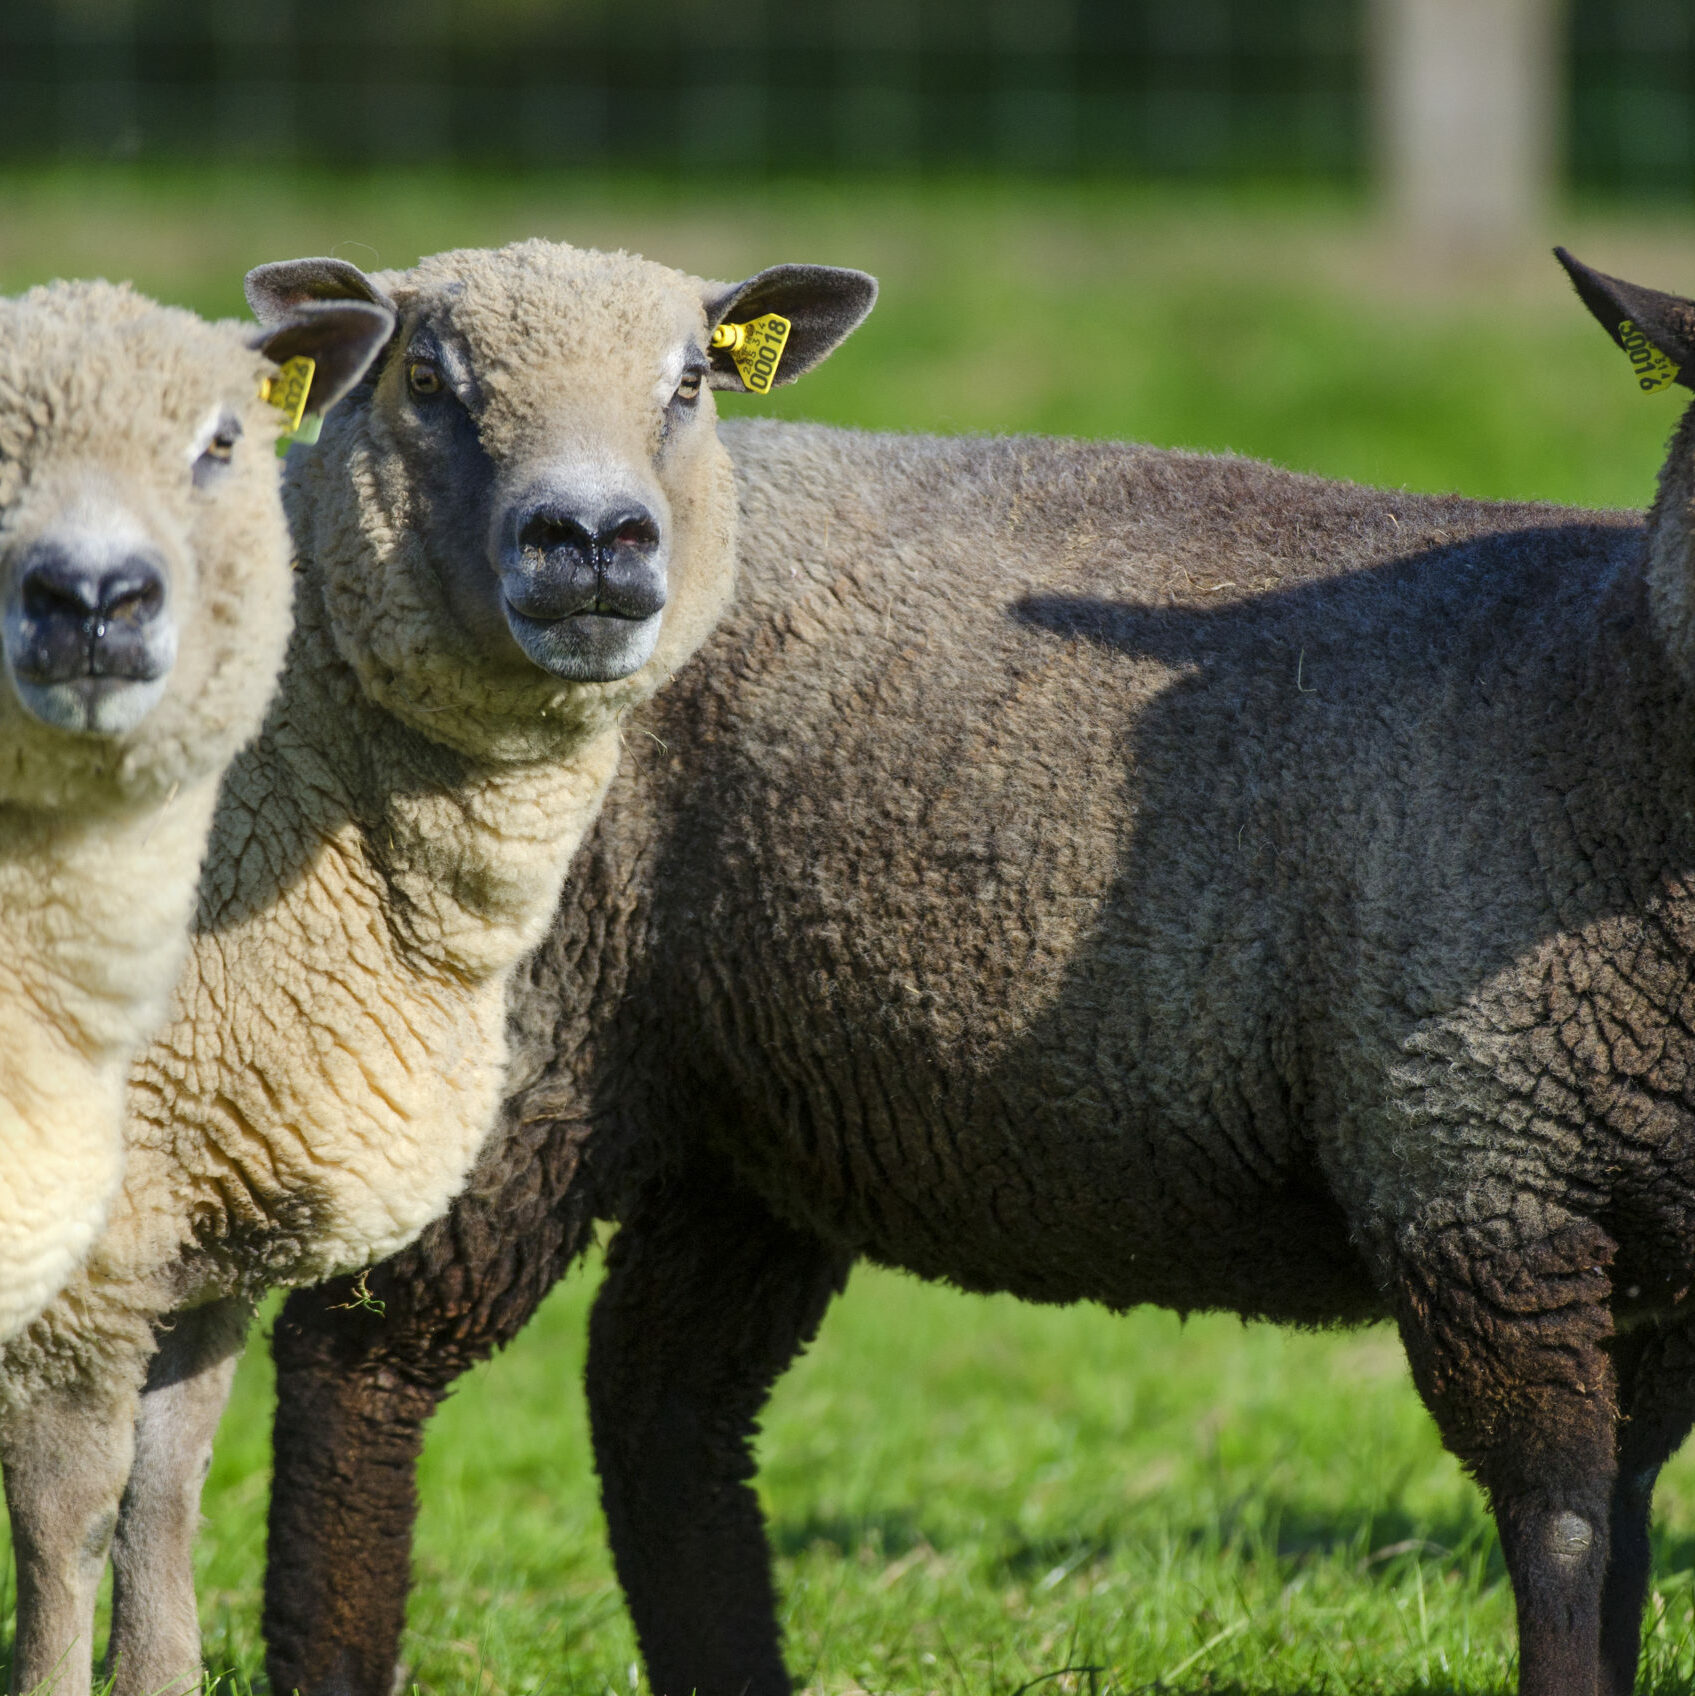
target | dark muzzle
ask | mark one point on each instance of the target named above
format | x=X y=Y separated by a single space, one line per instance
x=563 y=567
x=76 y=619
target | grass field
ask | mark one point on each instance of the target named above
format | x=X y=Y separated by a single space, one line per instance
x=970 y=1495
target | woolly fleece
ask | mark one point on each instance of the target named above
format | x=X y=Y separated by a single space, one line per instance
x=105 y=400
x=382 y=858
x=1097 y=873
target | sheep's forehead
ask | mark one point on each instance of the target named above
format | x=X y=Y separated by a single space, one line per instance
x=96 y=369
x=542 y=314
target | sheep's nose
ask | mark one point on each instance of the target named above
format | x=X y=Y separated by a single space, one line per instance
x=56 y=586
x=550 y=528
x=568 y=562
x=88 y=618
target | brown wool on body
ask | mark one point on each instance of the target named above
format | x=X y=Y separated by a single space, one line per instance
x=1095 y=873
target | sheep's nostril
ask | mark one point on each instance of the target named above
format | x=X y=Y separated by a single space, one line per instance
x=545 y=532
x=55 y=588
x=633 y=532
x=132 y=600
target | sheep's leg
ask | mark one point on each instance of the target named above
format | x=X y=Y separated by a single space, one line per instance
x=361 y=1366
x=707 y=1298
x=1507 y=1342
x=1657 y=1391
x=154 y=1648
x=66 y=1455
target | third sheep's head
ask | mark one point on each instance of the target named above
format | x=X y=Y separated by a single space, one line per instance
x=524 y=520
x=1656 y=333
x=144 y=581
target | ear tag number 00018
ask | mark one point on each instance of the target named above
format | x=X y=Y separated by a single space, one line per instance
x=288 y=392
x=1653 y=370
x=756 y=347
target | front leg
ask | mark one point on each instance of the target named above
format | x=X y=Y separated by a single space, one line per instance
x=1506 y=1329
x=155 y=1642
x=66 y=1453
x=360 y=1369
x=707 y=1299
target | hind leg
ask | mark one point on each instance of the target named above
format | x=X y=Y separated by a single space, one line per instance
x=1657 y=1391
x=155 y=1642
x=707 y=1299
x=66 y=1454
x=1506 y=1337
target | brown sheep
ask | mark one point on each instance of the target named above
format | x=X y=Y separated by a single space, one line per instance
x=1106 y=874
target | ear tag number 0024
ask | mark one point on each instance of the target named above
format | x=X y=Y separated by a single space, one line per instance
x=288 y=392
x=1653 y=370
x=756 y=347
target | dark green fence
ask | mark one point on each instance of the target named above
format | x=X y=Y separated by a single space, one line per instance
x=1215 y=88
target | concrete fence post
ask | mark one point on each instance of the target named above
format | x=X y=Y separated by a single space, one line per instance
x=1467 y=96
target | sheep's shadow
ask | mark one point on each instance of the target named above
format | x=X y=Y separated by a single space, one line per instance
x=1283 y=1526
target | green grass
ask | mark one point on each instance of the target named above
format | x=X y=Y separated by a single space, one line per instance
x=970 y=1495
x=967 y=1494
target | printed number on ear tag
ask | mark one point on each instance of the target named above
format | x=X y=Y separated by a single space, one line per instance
x=1653 y=370
x=756 y=347
x=287 y=391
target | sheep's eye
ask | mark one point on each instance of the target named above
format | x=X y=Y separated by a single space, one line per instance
x=423 y=377
x=216 y=451
x=689 y=388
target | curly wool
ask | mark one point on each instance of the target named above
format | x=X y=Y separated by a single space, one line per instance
x=1095 y=873
x=383 y=855
x=101 y=837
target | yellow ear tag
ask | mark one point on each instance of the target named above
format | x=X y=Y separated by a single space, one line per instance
x=1653 y=370
x=756 y=347
x=287 y=392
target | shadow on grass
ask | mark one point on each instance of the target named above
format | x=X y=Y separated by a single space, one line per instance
x=1264 y=1526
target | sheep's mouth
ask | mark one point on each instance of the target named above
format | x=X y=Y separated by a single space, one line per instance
x=89 y=705
x=602 y=606
x=595 y=644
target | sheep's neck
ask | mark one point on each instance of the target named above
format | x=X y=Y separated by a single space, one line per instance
x=93 y=921
x=93 y=928
x=338 y=1044
x=463 y=859
x=1671 y=553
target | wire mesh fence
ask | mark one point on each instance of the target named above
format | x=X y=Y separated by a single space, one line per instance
x=1215 y=88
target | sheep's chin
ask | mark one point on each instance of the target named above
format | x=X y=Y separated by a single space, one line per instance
x=92 y=706
x=586 y=647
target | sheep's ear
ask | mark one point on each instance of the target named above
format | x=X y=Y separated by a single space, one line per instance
x=823 y=304
x=1634 y=316
x=273 y=291
x=340 y=337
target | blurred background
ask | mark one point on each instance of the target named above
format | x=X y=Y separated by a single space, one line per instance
x=1208 y=89
x=1311 y=230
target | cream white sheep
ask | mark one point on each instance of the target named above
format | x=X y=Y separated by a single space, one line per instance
x=143 y=612
x=517 y=532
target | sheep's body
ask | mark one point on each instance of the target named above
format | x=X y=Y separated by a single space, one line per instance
x=1092 y=873
x=104 y=399
x=382 y=857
